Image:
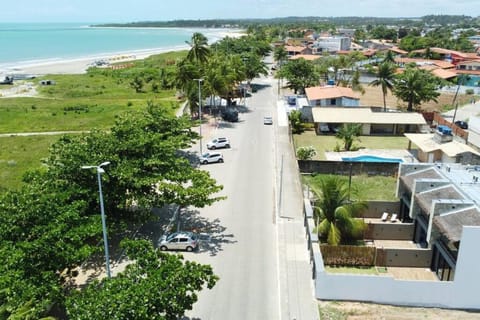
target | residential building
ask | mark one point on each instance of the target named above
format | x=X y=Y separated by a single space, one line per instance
x=441 y=146
x=294 y=50
x=332 y=96
x=331 y=44
x=374 y=121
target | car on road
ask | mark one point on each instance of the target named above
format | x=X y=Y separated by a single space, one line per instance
x=230 y=115
x=267 y=120
x=292 y=100
x=181 y=240
x=462 y=124
x=211 y=157
x=218 y=143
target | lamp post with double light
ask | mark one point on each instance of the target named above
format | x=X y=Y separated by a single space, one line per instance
x=102 y=211
x=200 y=110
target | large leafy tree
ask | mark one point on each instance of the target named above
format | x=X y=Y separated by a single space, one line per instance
x=155 y=286
x=43 y=231
x=335 y=213
x=280 y=54
x=385 y=75
x=348 y=133
x=300 y=74
x=416 y=86
x=147 y=167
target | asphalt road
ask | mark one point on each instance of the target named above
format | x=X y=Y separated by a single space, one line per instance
x=242 y=247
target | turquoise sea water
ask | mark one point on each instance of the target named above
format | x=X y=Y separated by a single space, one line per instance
x=31 y=43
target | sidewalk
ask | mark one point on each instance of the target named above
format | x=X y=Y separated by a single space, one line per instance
x=296 y=283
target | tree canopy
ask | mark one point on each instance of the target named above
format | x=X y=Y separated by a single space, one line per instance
x=155 y=286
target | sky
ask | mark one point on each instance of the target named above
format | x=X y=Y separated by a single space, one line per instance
x=165 y=10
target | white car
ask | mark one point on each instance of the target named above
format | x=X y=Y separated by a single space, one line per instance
x=267 y=120
x=182 y=240
x=218 y=143
x=211 y=157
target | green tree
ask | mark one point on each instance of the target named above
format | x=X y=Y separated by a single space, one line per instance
x=147 y=166
x=280 y=55
x=137 y=84
x=300 y=74
x=416 y=86
x=199 y=50
x=335 y=213
x=349 y=133
x=385 y=75
x=155 y=286
x=296 y=124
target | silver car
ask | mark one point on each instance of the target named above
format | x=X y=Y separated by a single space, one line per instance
x=182 y=240
x=211 y=157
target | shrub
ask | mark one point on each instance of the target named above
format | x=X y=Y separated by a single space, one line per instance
x=306 y=153
x=469 y=91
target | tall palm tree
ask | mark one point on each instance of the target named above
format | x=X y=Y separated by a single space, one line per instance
x=385 y=74
x=280 y=54
x=199 y=50
x=335 y=213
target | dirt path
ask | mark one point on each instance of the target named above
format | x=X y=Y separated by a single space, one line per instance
x=373 y=97
x=333 y=310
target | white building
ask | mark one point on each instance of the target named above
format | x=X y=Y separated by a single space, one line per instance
x=331 y=44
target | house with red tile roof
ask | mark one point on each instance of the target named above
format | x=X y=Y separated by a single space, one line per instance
x=328 y=96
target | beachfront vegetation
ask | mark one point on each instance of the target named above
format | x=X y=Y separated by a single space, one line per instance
x=51 y=224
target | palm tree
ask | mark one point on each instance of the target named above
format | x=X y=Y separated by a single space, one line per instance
x=385 y=75
x=199 y=51
x=335 y=213
x=348 y=133
x=415 y=86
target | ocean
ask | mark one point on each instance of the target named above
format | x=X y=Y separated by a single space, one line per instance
x=37 y=43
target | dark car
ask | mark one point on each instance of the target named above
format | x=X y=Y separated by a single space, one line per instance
x=461 y=124
x=230 y=115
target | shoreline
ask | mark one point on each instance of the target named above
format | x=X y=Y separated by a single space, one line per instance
x=79 y=65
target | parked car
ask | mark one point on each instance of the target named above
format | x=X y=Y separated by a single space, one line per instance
x=211 y=157
x=462 y=124
x=218 y=143
x=267 y=120
x=292 y=100
x=182 y=240
x=230 y=115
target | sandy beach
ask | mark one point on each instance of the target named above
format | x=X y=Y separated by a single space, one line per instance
x=80 y=65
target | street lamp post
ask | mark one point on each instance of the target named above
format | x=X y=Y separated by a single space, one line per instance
x=102 y=211
x=200 y=111
x=245 y=87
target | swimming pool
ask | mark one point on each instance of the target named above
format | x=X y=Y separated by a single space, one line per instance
x=370 y=158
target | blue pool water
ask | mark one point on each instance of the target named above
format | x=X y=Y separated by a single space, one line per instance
x=367 y=158
x=473 y=81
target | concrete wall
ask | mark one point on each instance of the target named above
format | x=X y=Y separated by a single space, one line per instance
x=389 y=231
x=412 y=258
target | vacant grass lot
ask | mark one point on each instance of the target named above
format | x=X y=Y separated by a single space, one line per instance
x=75 y=103
x=323 y=143
x=363 y=187
x=19 y=154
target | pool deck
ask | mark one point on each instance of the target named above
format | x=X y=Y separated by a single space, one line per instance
x=406 y=156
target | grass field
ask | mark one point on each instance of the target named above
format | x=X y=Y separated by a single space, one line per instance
x=363 y=187
x=19 y=154
x=74 y=103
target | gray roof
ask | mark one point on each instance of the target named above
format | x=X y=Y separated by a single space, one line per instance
x=446 y=192
x=451 y=225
